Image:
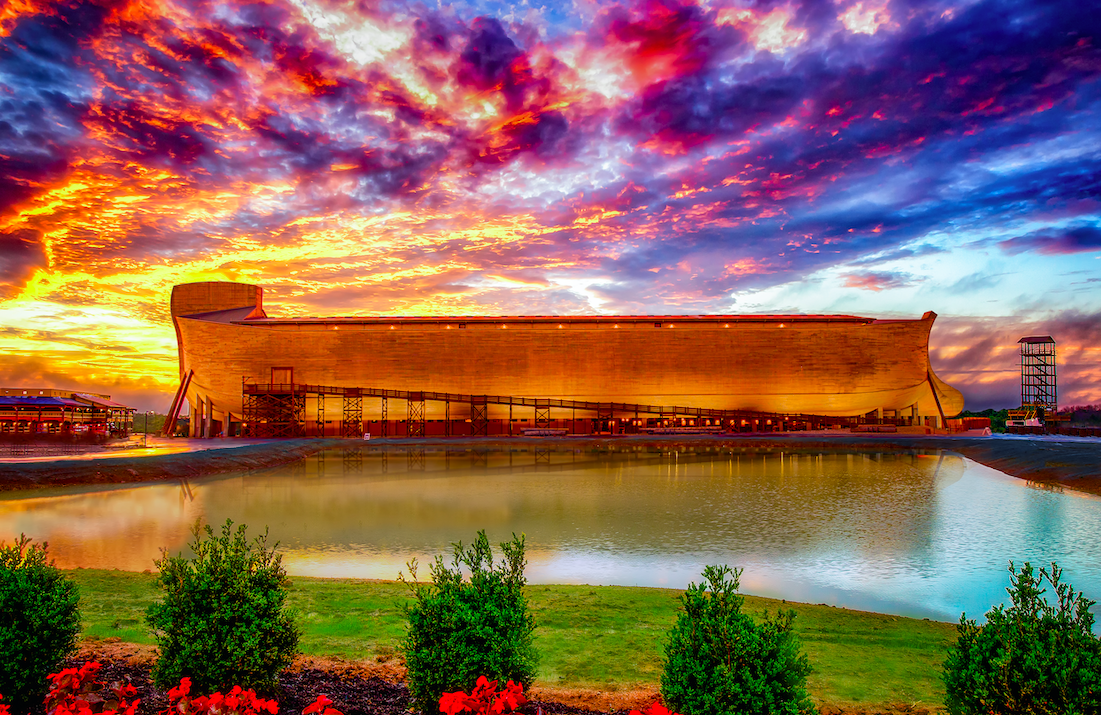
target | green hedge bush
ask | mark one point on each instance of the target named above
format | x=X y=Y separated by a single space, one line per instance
x=461 y=629
x=223 y=620
x=39 y=622
x=1032 y=658
x=719 y=661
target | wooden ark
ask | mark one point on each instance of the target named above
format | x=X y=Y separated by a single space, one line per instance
x=827 y=365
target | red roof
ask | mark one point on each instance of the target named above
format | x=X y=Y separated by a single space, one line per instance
x=1037 y=339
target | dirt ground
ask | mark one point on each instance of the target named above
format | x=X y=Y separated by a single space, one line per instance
x=378 y=688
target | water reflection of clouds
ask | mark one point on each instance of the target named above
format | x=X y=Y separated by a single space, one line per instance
x=926 y=535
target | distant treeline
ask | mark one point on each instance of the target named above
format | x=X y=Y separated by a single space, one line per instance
x=997 y=418
x=1083 y=414
x=148 y=423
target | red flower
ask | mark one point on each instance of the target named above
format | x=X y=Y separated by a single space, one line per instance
x=180 y=690
x=654 y=709
x=238 y=702
x=484 y=700
x=76 y=691
x=321 y=707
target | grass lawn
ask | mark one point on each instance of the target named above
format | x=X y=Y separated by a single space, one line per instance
x=604 y=637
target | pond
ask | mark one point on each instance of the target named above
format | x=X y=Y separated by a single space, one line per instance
x=927 y=535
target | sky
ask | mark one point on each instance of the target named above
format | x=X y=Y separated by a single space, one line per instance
x=875 y=158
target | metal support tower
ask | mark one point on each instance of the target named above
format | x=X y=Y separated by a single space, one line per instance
x=351 y=425
x=414 y=426
x=250 y=414
x=604 y=416
x=479 y=416
x=320 y=423
x=542 y=414
x=274 y=415
x=1038 y=385
x=384 y=424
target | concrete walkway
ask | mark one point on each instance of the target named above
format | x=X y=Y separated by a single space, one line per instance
x=155 y=445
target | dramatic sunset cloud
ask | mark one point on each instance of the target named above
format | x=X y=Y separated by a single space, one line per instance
x=877 y=158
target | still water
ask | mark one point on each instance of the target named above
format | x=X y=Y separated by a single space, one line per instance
x=921 y=535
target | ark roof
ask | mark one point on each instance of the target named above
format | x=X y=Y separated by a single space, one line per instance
x=437 y=319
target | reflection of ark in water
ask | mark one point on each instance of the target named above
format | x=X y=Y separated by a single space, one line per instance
x=364 y=512
x=830 y=365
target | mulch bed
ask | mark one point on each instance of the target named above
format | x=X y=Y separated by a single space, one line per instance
x=351 y=693
x=377 y=688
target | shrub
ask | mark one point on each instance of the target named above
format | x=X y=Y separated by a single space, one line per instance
x=460 y=630
x=1032 y=657
x=222 y=621
x=40 y=622
x=718 y=660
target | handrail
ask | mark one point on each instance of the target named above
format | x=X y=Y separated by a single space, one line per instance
x=670 y=411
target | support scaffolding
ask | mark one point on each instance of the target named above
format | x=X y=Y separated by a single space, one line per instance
x=273 y=415
x=542 y=413
x=351 y=422
x=414 y=426
x=279 y=410
x=605 y=414
x=479 y=416
x=1038 y=383
x=384 y=420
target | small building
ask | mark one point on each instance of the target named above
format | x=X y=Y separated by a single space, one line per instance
x=32 y=412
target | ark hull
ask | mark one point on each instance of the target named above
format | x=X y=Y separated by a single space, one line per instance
x=821 y=365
